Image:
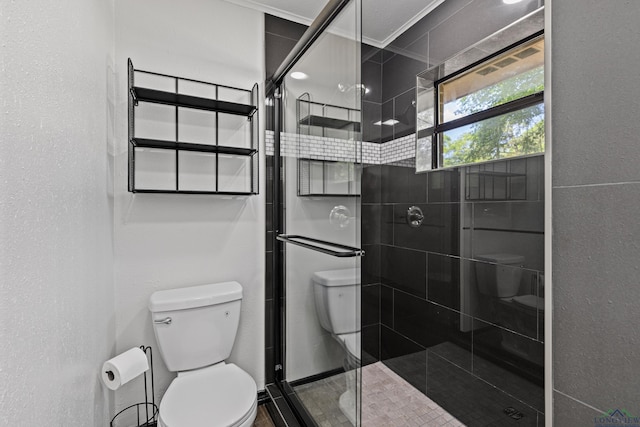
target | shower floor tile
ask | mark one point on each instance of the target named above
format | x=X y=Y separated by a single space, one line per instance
x=387 y=401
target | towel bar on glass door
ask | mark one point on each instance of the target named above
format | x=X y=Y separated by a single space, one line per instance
x=329 y=248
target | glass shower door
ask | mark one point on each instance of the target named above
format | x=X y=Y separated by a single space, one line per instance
x=320 y=149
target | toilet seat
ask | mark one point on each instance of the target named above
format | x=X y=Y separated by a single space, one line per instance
x=529 y=302
x=218 y=395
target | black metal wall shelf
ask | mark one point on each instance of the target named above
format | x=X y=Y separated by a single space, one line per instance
x=227 y=168
x=188 y=101
x=325 y=182
x=187 y=146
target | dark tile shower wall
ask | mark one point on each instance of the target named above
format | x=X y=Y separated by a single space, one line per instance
x=423 y=276
x=434 y=328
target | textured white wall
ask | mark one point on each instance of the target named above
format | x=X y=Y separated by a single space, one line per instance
x=56 y=262
x=168 y=241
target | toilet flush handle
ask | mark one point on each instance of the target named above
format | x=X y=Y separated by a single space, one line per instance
x=166 y=321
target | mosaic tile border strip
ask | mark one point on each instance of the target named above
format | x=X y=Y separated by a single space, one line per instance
x=323 y=148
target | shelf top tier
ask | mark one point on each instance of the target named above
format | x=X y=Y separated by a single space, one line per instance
x=330 y=123
x=189 y=101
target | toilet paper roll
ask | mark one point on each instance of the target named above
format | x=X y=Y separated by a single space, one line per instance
x=124 y=367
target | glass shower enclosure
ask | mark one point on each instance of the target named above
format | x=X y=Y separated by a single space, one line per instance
x=318 y=151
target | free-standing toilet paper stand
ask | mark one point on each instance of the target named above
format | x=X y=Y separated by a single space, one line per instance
x=146 y=411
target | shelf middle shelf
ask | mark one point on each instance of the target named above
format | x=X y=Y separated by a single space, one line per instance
x=188 y=101
x=187 y=146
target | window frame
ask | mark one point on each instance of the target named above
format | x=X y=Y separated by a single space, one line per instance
x=438 y=129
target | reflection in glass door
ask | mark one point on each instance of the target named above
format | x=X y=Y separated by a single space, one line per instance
x=320 y=151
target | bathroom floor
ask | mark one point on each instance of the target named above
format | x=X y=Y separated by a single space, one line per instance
x=387 y=401
x=263 y=419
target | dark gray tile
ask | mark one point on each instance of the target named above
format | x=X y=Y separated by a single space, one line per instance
x=444 y=186
x=461 y=30
x=403 y=185
x=439 y=231
x=599 y=127
x=371 y=53
x=269 y=327
x=370 y=344
x=412 y=368
x=393 y=345
x=386 y=113
x=371 y=264
x=370 y=224
x=568 y=412
x=269 y=241
x=516 y=216
x=371 y=113
x=268 y=275
x=410 y=318
x=372 y=81
x=371 y=181
x=523 y=387
x=386 y=306
x=444 y=280
x=509 y=350
x=386 y=224
x=283 y=27
x=269 y=365
x=399 y=75
x=501 y=310
x=430 y=325
x=276 y=50
x=405 y=113
x=529 y=245
x=471 y=400
x=370 y=304
x=595 y=268
x=404 y=269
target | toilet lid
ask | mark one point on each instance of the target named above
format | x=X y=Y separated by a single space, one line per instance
x=219 y=395
x=530 y=301
x=352 y=343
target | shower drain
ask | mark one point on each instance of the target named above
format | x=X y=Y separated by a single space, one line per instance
x=513 y=413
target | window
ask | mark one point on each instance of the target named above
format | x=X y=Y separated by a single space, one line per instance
x=490 y=110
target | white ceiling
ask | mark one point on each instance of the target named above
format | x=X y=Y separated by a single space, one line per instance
x=383 y=20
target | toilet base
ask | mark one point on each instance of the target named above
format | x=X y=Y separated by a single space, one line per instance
x=347 y=404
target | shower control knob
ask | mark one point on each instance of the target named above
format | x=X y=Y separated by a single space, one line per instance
x=414 y=216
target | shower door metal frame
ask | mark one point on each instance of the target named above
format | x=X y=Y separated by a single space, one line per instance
x=274 y=90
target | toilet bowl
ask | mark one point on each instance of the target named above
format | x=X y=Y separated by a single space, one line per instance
x=195 y=328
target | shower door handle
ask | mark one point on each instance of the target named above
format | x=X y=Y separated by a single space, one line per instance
x=329 y=248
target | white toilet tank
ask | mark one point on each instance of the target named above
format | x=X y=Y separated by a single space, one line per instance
x=502 y=277
x=196 y=326
x=337 y=299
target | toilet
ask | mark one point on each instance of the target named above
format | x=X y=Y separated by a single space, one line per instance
x=195 y=328
x=337 y=301
x=498 y=277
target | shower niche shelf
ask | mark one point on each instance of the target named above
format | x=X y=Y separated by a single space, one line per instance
x=191 y=137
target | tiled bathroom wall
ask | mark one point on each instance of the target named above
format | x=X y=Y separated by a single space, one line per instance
x=479 y=357
x=422 y=307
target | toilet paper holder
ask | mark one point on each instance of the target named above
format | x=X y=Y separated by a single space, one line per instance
x=146 y=412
